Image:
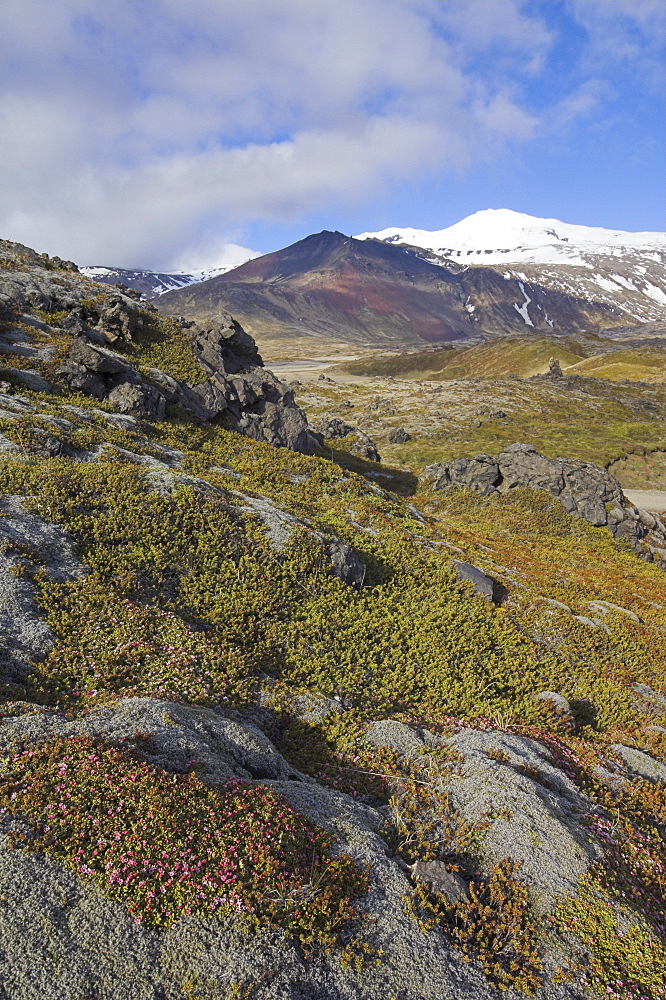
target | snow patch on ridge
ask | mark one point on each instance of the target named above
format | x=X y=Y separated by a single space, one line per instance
x=654 y=293
x=503 y=236
x=577 y=260
x=523 y=310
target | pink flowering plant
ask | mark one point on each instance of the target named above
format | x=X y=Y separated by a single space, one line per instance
x=168 y=846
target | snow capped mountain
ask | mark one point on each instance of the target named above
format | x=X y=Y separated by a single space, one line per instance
x=501 y=236
x=151 y=284
x=622 y=269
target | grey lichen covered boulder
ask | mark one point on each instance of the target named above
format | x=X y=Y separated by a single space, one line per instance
x=532 y=811
x=24 y=635
x=536 y=811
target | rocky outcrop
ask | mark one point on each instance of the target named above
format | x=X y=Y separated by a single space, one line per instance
x=223 y=346
x=332 y=428
x=584 y=489
x=102 y=321
x=253 y=401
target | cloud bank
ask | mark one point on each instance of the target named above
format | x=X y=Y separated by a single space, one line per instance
x=153 y=133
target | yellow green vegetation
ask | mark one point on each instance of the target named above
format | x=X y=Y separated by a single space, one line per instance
x=409 y=639
x=186 y=599
x=162 y=343
x=598 y=425
x=494 y=926
x=520 y=356
x=645 y=364
x=524 y=357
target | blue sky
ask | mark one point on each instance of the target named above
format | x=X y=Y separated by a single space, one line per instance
x=175 y=133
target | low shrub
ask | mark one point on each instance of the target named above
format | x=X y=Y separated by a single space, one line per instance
x=166 y=846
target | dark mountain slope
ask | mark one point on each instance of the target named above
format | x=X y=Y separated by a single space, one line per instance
x=366 y=292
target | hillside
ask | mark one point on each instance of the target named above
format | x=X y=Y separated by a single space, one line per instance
x=590 y=354
x=277 y=721
x=340 y=290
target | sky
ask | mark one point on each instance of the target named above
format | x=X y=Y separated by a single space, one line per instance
x=179 y=134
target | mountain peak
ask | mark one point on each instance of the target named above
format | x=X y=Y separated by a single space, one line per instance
x=503 y=236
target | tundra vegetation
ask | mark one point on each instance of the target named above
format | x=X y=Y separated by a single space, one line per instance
x=206 y=585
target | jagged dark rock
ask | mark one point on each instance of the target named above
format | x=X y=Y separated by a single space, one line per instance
x=95 y=370
x=119 y=318
x=141 y=401
x=345 y=563
x=332 y=428
x=584 y=489
x=223 y=346
x=234 y=384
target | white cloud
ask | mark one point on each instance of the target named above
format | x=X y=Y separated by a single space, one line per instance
x=147 y=133
x=632 y=32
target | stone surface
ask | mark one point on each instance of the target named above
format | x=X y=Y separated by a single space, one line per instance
x=559 y=705
x=345 y=563
x=24 y=636
x=142 y=401
x=536 y=812
x=640 y=763
x=332 y=428
x=61 y=939
x=399 y=436
x=539 y=811
x=483 y=585
x=439 y=879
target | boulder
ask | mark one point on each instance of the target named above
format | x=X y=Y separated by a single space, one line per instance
x=439 y=879
x=270 y=413
x=119 y=318
x=142 y=401
x=332 y=428
x=94 y=370
x=345 y=563
x=559 y=706
x=538 y=814
x=399 y=436
x=223 y=347
x=483 y=585
x=640 y=763
x=365 y=447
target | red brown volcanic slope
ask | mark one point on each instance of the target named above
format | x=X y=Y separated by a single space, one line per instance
x=369 y=293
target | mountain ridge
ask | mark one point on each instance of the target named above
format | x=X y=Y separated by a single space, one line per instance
x=372 y=293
